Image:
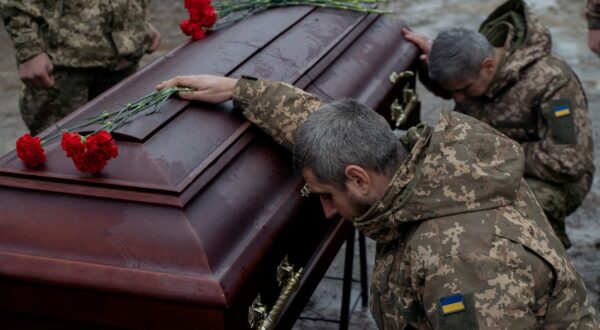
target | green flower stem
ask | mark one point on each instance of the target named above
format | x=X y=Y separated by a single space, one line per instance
x=228 y=7
x=113 y=120
x=331 y=5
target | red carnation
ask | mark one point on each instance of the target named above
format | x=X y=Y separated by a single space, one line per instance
x=189 y=4
x=90 y=155
x=72 y=144
x=209 y=17
x=89 y=162
x=198 y=34
x=30 y=150
x=202 y=17
x=103 y=144
x=185 y=27
x=193 y=29
x=196 y=13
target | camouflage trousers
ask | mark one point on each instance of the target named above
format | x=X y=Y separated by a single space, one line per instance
x=557 y=201
x=40 y=108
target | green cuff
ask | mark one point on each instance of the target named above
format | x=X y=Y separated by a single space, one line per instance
x=244 y=90
x=28 y=50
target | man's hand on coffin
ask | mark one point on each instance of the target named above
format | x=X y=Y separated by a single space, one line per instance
x=208 y=88
x=37 y=72
x=420 y=41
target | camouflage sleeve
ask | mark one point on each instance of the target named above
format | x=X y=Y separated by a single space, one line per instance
x=277 y=108
x=22 y=19
x=482 y=291
x=593 y=14
x=565 y=151
x=146 y=6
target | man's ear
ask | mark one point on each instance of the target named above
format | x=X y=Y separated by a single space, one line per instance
x=488 y=64
x=358 y=180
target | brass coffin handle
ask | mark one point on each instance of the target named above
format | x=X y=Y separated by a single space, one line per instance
x=258 y=317
x=256 y=313
x=395 y=76
x=401 y=112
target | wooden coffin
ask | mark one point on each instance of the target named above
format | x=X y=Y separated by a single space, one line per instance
x=189 y=224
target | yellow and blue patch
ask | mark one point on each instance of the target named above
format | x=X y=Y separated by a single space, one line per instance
x=452 y=304
x=561 y=110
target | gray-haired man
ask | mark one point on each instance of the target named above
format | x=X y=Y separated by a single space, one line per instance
x=461 y=242
x=507 y=76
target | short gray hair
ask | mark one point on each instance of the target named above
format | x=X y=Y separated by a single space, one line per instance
x=456 y=55
x=342 y=133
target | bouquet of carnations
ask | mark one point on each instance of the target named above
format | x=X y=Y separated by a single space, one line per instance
x=91 y=152
x=204 y=15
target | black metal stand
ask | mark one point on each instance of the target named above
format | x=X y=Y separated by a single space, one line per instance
x=347 y=284
x=347 y=281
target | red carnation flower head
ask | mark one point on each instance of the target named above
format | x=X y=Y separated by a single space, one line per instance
x=189 y=4
x=90 y=154
x=198 y=34
x=202 y=17
x=103 y=144
x=89 y=162
x=195 y=13
x=209 y=17
x=72 y=143
x=30 y=150
x=185 y=27
x=193 y=29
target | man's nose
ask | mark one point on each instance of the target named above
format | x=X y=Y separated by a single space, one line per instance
x=328 y=209
x=458 y=97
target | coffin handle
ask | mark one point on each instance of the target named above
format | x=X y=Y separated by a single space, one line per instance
x=288 y=279
x=401 y=112
x=395 y=76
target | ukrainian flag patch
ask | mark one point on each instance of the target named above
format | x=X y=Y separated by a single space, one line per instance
x=561 y=110
x=452 y=304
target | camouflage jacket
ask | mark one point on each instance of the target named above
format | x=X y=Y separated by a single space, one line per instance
x=593 y=14
x=537 y=100
x=79 y=33
x=457 y=222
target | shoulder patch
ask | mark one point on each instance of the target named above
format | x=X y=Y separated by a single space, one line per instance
x=561 y=121
x=452 y=304
x=561 y=108
x=457 y=312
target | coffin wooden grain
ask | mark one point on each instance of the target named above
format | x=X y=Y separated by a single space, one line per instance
x=187 y=226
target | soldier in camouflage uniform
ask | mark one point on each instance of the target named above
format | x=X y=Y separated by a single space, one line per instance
x=68 y=52
x=593 y=19
x=526 y=92
x=461 y=242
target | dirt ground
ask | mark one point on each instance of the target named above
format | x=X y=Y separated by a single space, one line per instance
x=566 y=21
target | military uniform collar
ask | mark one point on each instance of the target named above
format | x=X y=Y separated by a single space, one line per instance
x=375 y=223
x=503 y=74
